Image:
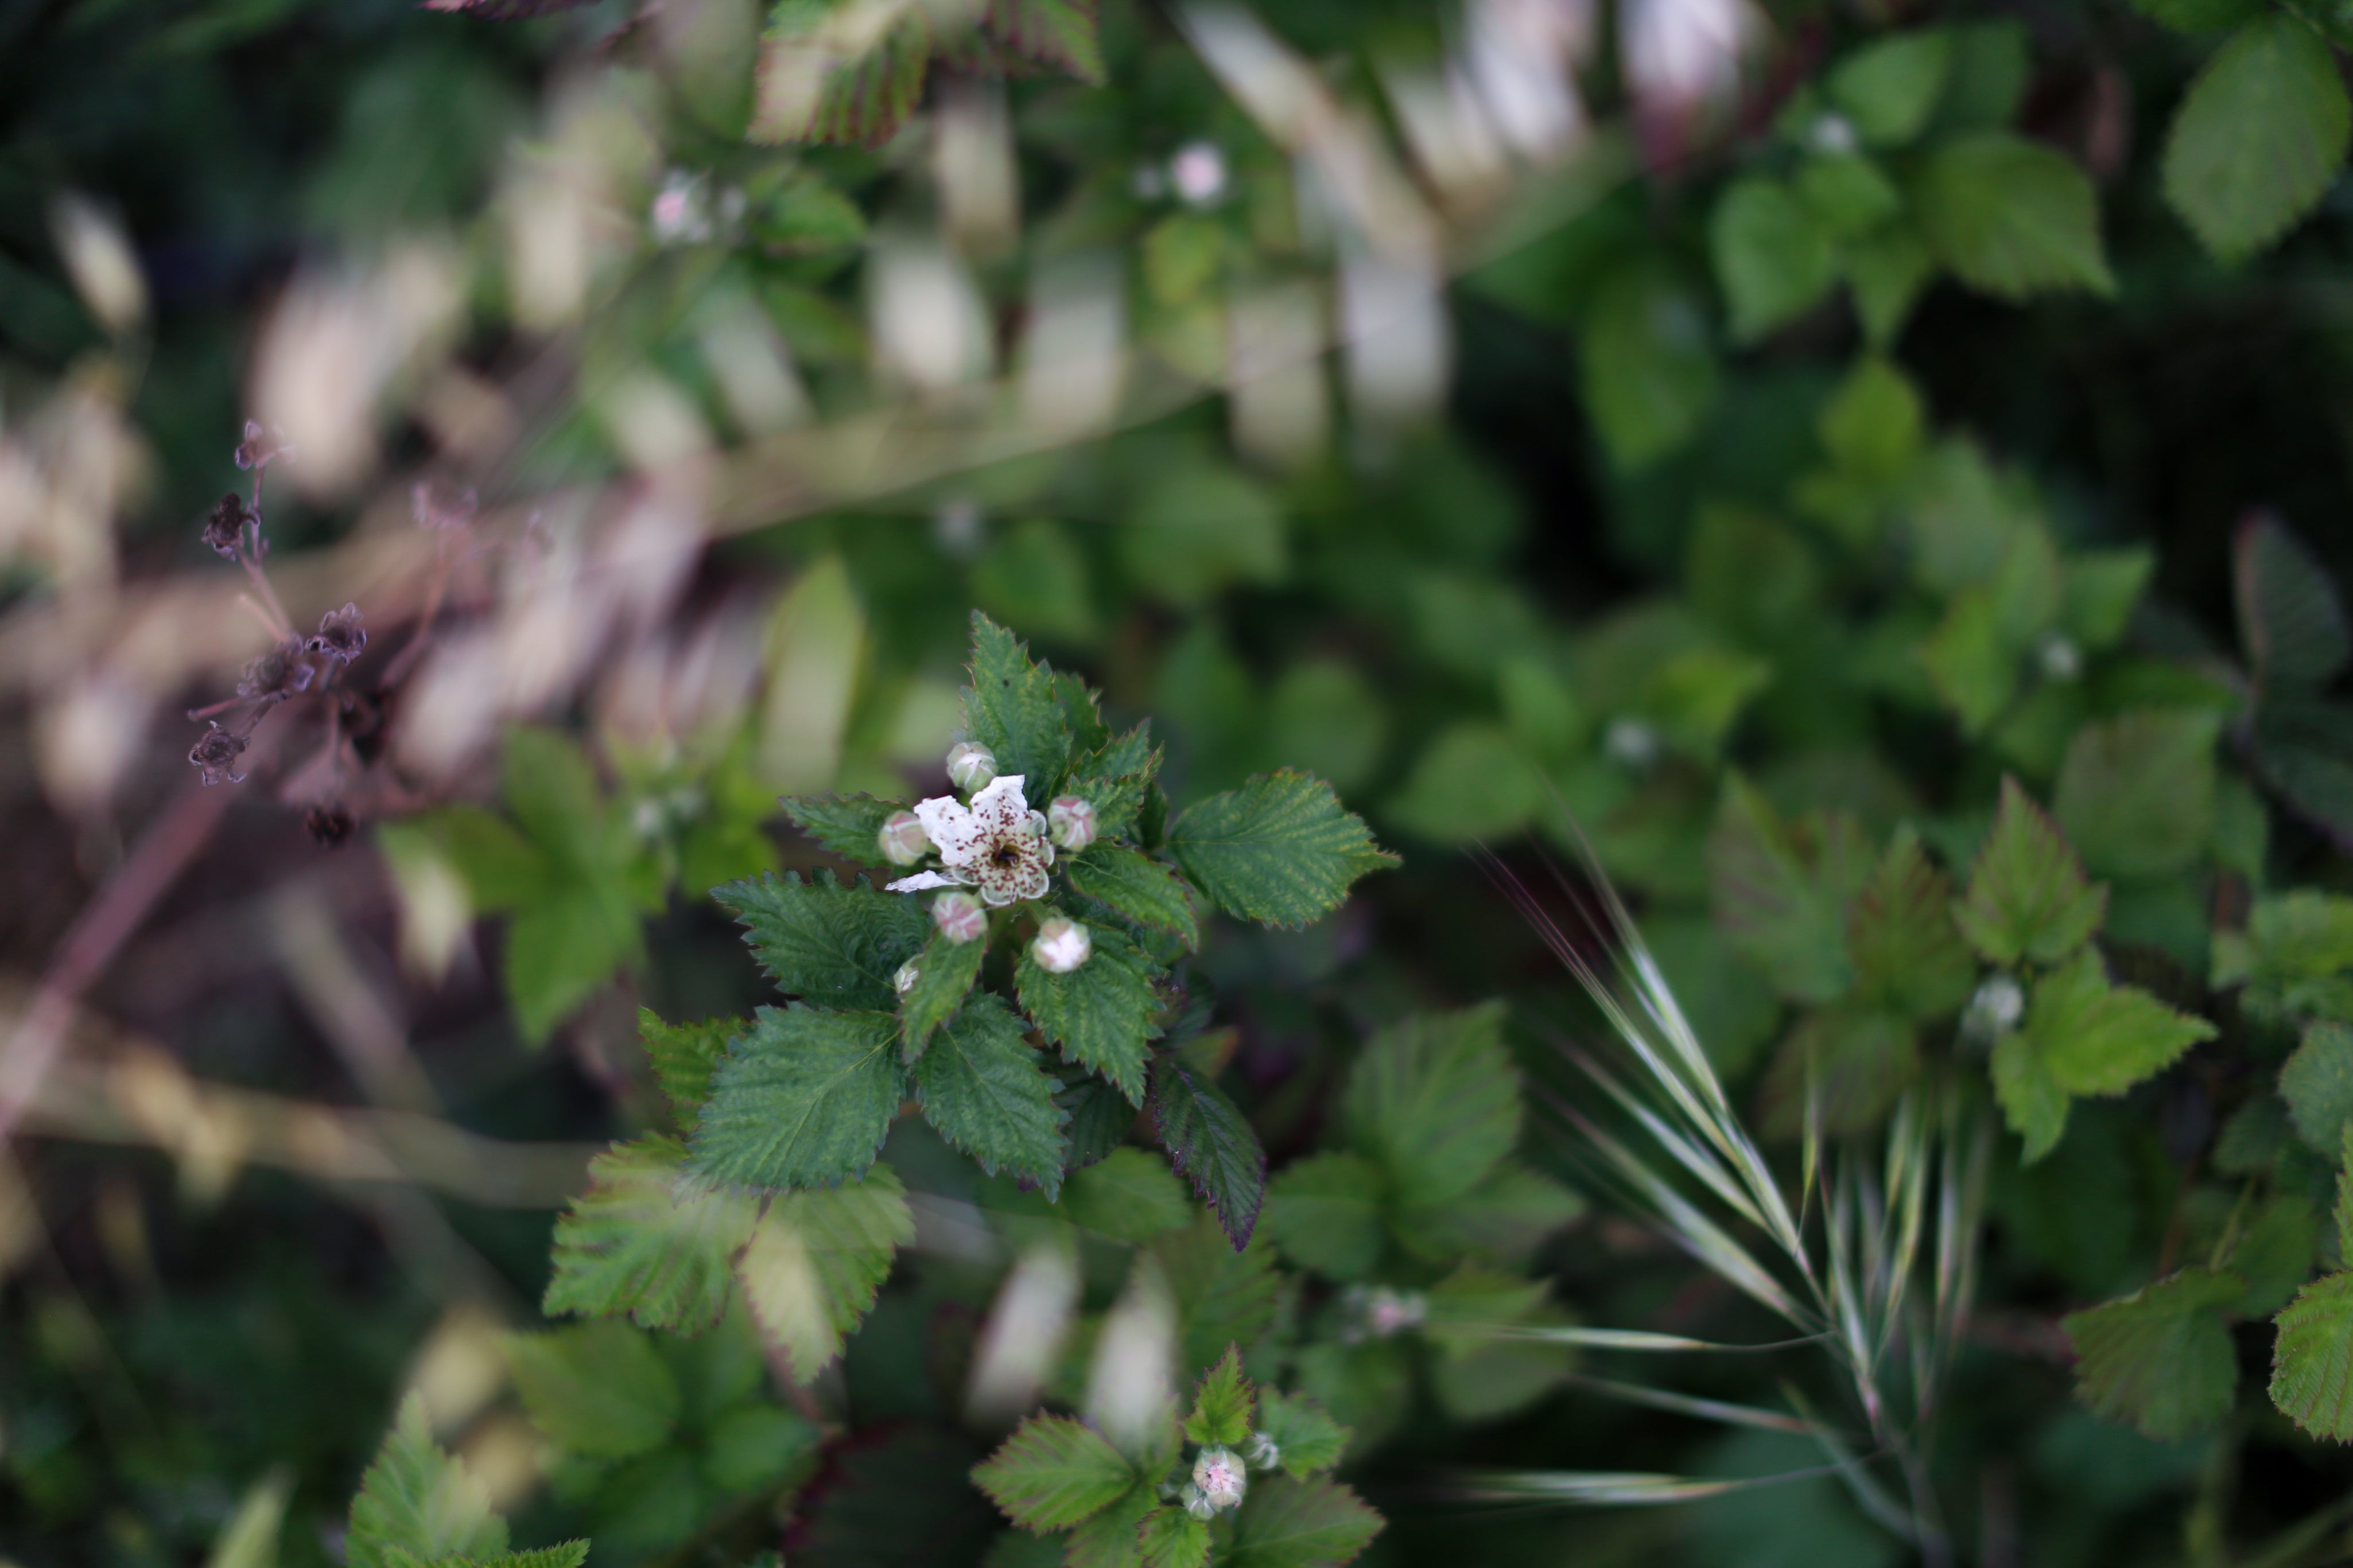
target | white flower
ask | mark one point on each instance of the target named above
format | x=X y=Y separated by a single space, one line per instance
x=998 y=845
x=1062 y=946
x=902 y=838
x=959 y=915
x=1219 y=1473
x=904 y=980
x=971 y=766
x=1072 y=822
x=1198 y=173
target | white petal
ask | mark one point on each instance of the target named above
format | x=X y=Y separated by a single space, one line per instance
x=949 y=825
x=1001 y=806
x=923 y=881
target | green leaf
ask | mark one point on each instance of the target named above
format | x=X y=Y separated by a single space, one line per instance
x=648 y=1240
x=1434 y=1102
x=1011 y=708
x=2136 y=794
x=1909 y=957
x=2033 y=1103
x=804 y=1100
x=848 y=824
x=1225 y=1406
x=559 y=953
x=2098 y=591
x=1171 y=1538
x=1137 y=886
x=2098 y=1038
x=1200 y=527
x=2260 y=136
x=1109 y=1539
x=1872 y=425
x=829 y=944
x=418 y=1499
x=1887 y=270
x=1645 y=366
x=1779 y=891
x=1211 y=1144
x=2159 y=1358
x=1505 y=1218
x=1035 y=575
x=1060 y=33
x=1100 y=1119
x=2027 y=897
x=944 y=974
x=1305 y=1437
x=2312 y=1360
x=816 y=80
x=2200 y=15
x=1101 y=1013
x=1888 y=89
x=1113 y=780
x=1052 y=1473
x=983 y=1088
x=1324 y=1214
x=1285 y=1523
x=598 y=1389
x=1225 y=1296
x=2274 y=1254
x=816 y=1259
x=2291 y=622
x=1278 y=850
x=1848 y=193
x=2318 y=1084
x=1772 y=256
x=2011 y=217
x=1129 y=1195
x=1473 y=781
x=684 y=1057
x=1855 y=1062
x=563 y=1554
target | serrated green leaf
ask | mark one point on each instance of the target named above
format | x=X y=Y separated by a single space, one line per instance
x=2301 y=934
x=848 y=824
x=1434 y=1101
x=1305 y=1437
x=598 y=1389
x=1211 y=1144
x=1059 y=33
x=2274 y=1254
x=983 y=1087
x=1225 y=1296
x=1108 y=1540
x=684 y=1057
x=418 y=1499
x=1855 y=1062
x=1773 y=257
x=2260 y=136
x=1136 y=885
x=2291 y=622
x=648 y=1240
x=2159 y=1358
x=817 y=79
x=2027 y=898
x=1053 y=1473
x=1888 y=89
x=558 y=953
x=1909 y=957
x=2136 y=794
x=2098 y=1038
x=1011 y=708
x=1646 y=368
x=1779 y=891
x=1099 y=1118
x=816 y=1260
x=803 y=1099
x=1130 y=1194
x=832 y=945
x=1171 y=1538
x=1324 y=1214
x=1506 y=1217
x=2098 y=591
x=1225 y=1406
x=2033 y=1103
x=944 y=975
x=2312 y=1360
x=2318 y=1084
x=1101 y=1013
x=1279 y=850
x=1286 y=1523
x=1473 y=781
x=2011 y=217
x=563 y=1555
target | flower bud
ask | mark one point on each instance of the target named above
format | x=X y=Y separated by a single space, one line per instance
x=971 y=766
x=1072 y=822
x=1196 y=1505
x=1219 y=1473
x=1062 y=945
x=902 y=838
x=959 y=916
x=1265 y=1453
x=2000 y=1003
x=904 y=981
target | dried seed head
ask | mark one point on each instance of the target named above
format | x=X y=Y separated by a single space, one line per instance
x=341 y=636
x=216 y=755
x=1062 y=945
x=959 y=916
x=1219 y=1473
x=263 y=446
x=224 y=525
x=1071 y=821
x=971 y=766
x=902 y=838
x=330 y=825
x=280 y=672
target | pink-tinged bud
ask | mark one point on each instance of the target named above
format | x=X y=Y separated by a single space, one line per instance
x=1072 y=822
x=959 y=916
x=1219 y=1473
x=904 y=980
x=902 y=838
x=1062 y=946
x=971 y=766
x=1265 y=1453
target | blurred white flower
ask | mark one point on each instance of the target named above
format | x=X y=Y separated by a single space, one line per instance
x=1062 y=945
x=1198 y=173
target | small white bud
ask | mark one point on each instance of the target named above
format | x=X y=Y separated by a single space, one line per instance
x=1999 y=1003
x=1062 y=945
x=1198 y=173
x=1071 y=821
x=959 y=916
x=1265 y=1453
x=1196 y=1505
x=1630 y=743
x=1832 y=134
x=2061 y=659
x=971 y=766
x=904 y=980
x=903 y=841
x=1219 y=1473
x=1380 y=1311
